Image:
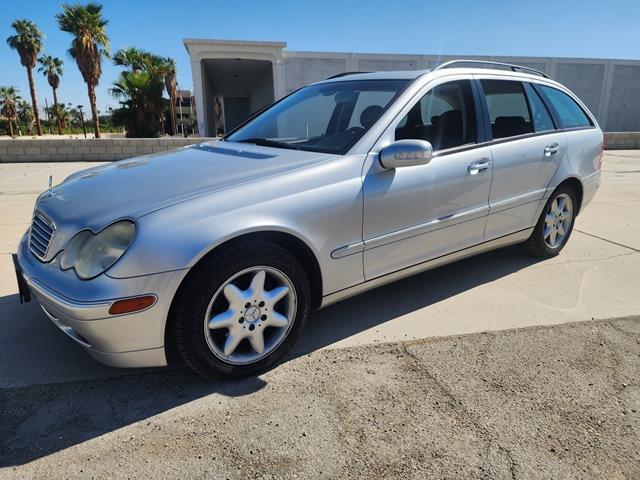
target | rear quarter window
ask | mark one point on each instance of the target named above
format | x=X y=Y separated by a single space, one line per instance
x=542 y=121
x=569 y=113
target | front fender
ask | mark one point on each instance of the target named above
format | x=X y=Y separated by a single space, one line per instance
x=186 y=242
x=321 y=207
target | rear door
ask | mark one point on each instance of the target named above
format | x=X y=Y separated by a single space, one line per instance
x=526 y=148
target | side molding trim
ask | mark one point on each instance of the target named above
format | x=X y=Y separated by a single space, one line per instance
x=409 y=232
x=348 y=250
x=510 y=239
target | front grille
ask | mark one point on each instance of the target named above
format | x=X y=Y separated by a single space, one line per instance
x=40 y=235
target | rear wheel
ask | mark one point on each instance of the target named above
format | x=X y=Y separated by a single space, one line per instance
x=240 y=310
x=555 y=224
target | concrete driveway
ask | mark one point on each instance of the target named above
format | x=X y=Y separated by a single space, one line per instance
x=595 y=277
x=551 y=401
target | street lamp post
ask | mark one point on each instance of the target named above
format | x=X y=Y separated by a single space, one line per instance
x=84 y=129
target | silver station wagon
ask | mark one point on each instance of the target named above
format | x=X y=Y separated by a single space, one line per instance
x=215 y=254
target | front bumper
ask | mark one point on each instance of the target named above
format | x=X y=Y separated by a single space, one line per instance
x=80 y=308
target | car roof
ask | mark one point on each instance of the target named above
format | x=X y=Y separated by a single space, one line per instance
x=414 y=74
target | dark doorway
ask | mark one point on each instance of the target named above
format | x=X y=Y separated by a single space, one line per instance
x=245 y=86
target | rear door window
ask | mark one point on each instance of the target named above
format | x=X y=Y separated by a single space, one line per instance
x=542 y=121
x=444 y=117
x=568 y=111
x=508 y=108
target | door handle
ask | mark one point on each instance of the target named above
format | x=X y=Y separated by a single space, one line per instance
x=478 y=166
x=551 y=150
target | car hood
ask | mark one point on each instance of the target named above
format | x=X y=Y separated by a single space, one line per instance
x=131 y=188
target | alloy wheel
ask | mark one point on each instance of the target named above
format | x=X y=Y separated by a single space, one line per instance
x=557 y=221
x=250 y=315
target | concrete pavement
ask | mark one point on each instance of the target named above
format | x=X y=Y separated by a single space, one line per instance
x=595 y=277
x=533 y=403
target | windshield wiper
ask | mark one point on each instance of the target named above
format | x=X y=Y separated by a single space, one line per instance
x=265 y=142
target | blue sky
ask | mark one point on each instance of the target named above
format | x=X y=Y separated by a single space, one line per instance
x=569 y=28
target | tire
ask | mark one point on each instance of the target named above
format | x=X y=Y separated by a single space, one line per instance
x=214 y=293
x=541 y=246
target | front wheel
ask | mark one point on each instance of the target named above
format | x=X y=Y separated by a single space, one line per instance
x=240 y=310
x=555 y=224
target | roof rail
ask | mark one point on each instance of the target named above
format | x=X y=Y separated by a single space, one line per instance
x=513 y=67
x=343 y=74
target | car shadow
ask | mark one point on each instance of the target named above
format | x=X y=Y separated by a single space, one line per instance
x=39 y=419
x=380 y=305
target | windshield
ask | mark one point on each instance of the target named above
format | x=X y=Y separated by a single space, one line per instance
x=328 y=117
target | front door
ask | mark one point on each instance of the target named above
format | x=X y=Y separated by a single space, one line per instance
x=414 y=214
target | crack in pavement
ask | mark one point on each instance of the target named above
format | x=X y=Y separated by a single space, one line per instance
x=463 y=414
x=624 y=332
x=607 y=240
x=584 y=260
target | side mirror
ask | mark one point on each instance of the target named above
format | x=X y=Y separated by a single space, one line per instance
x=406 y=153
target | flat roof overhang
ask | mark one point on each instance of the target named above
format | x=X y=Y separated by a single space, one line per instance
x=193 y=45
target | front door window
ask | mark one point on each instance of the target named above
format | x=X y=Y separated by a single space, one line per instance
x=444 y=117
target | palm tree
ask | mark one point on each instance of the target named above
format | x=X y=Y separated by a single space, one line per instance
x=8 y=105
x=170 y=83
x=75 y=119
x=25 y=114
x=132 y=58
x=28 y=43
x=147 y=72
x=51 y=67
x=89 y=45
x=140 y=95
x=64 y=114
x=156 y=67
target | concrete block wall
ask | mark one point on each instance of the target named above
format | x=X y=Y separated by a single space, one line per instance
x=86 y=150
x=607 y=86
x=622 y=140
x=110 y=149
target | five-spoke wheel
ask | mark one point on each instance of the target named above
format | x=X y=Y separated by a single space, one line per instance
x=555 y=224
x=557 y=220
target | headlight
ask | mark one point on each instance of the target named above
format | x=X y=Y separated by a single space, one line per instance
x=92 y=254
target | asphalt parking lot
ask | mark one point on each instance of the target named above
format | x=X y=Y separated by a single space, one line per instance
x=368 y=391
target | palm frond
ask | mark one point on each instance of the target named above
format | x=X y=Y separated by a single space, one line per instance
x=27 y=41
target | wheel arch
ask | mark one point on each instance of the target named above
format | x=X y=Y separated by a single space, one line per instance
x=576 y=186
x=298 y=247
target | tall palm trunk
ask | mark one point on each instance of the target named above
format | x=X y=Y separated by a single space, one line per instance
x=174 y=126
x=170 y=85
x=34 y=101
x=94 y=111
x=11 y=128
x=55 y=107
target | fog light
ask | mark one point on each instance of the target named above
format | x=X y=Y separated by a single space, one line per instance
x=130 y=305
